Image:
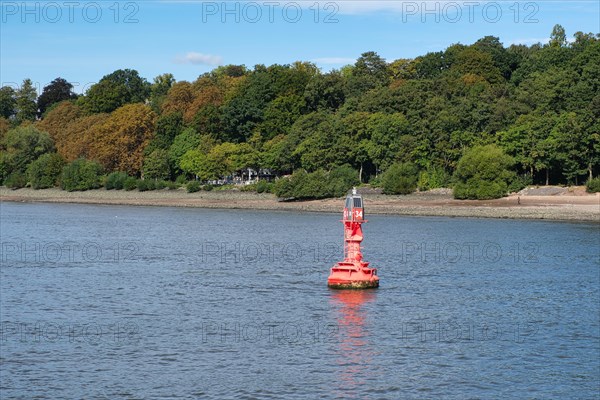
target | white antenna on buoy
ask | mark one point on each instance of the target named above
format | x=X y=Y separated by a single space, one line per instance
x=353 y=190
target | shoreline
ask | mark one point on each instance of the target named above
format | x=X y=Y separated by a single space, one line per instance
x=565 y=207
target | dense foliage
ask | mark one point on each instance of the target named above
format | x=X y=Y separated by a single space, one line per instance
x=81 y=174
x=315 y=185
x=44 y=172
x=115 y=180
x=538 y=105
x=400 y=179
x=483 y=173
x=20 y=147
x=593 y=185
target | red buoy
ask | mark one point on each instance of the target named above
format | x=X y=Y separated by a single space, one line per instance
x=353 y=272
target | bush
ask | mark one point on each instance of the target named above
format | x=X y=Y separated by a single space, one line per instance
x=249 y=188
x=375 y=181
x=259 y=187
x=115 y=180
x=312 y=186
x=16 y=180
x=519 y=182
x=480 y=190
x=172 y=185
x=316 y=185
x=208 y=187
x=44 y=172
x=130 y=183
x=24 y=145
x=284 y=187
x=160 y=185
x=5 y=165
x=144 y=185
x=341 y=179
x=181 y=179
x=400 y=179
x=81 y=174
x=193 y=186
x=593 y=185
x=483 y=173
x=263 y=186
x=433 y=178
x=227 y=186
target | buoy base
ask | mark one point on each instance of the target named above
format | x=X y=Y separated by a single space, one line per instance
x=346 y=275
x=354 y=285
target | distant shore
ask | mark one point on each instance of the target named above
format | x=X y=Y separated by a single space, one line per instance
x=571 y=205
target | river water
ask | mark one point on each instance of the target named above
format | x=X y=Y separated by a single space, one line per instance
x=111 y=302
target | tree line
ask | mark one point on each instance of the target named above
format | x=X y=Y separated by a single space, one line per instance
x=536 y=108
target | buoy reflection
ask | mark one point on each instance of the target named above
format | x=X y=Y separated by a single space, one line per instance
x=355 y=350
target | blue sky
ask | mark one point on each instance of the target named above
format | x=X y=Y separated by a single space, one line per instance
x=82 y=41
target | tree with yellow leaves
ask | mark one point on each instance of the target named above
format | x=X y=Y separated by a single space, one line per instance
x=120 y=141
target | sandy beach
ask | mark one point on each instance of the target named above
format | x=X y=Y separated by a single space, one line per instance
x=572 y=204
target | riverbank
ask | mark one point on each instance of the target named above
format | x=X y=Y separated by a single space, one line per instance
x=572 y=205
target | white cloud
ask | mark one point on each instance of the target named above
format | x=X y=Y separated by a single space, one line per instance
x=199 y=59
x=334 y=60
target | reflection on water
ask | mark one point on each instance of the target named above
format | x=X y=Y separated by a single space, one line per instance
x=355 y=349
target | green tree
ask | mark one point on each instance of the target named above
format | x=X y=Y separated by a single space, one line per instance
x=25 y=98
x=208 y=120
x=325 y=92
x=483 y=172
x=210 y=165
x=530 y=142
x=245 y=156
x=558 y=37
x=156 y=165
x=81 y=174
x=187 y=140
x=115 y=90
x=159 y=89
x=168 y=126
x=324 y=145
x=44 y=172
x=471 y=61
x=502 y=59
x=221 y=160
x=370 y=71
x=402 y=68
x=24 y=145
x=385 y=132
x=194 y=162
x=430 y=65
x=400 y=179
x=8 y=102
x=569 y=135
x=280 y=115
x=341 y=179
x=278 y=153
x=246 y=109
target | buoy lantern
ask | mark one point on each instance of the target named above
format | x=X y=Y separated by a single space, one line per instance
x=353 y=272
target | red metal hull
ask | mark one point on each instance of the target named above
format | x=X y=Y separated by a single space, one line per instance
x=348 y=276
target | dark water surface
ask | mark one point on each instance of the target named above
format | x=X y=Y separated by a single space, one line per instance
x=107 y=302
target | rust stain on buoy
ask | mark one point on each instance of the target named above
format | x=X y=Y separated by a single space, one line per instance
x=353 y=272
